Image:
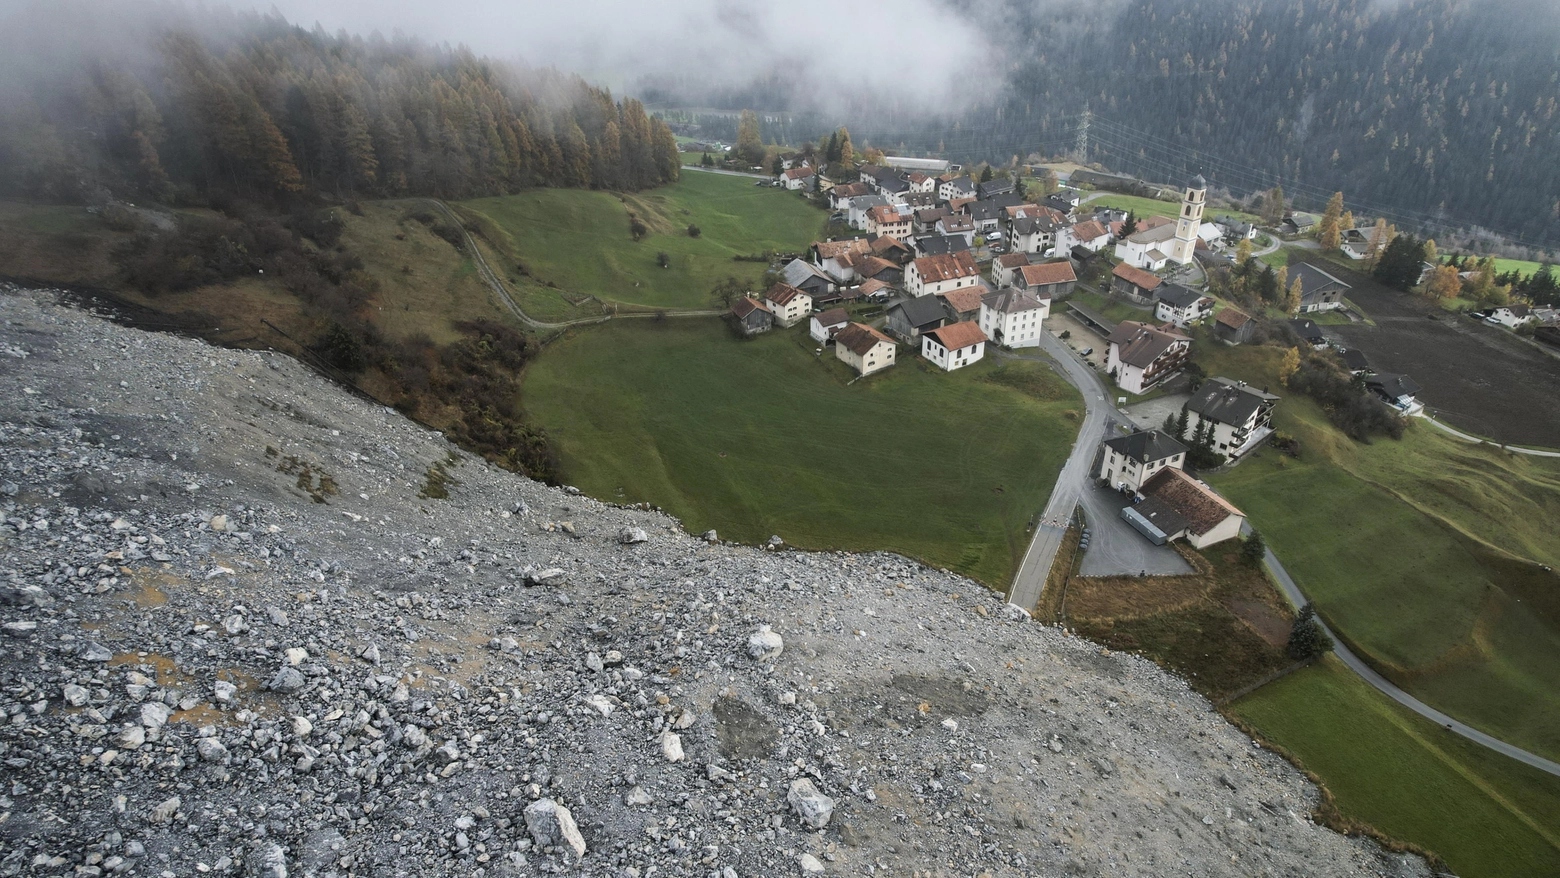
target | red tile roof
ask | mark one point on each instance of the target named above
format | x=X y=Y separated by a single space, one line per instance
x=1013 y=260
x=870 y=286
x=832 y=317
x=782 y=294
x=1192 y=500
x=799 y=173
x=1144 y=280
x=830 y=249
x=965 y=300
x=747 y=305
x=1232 y=318
x=886 y=214
x=1088 y=231
x=1048 y=273
x=946 y=266
x=958 y=335
x=860 y=338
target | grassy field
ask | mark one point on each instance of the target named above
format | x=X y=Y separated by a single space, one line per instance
x=1154 y=207
x=762 y=437
x=579 y=240
x=1422 y=552
x=1488 y=816
x=1110 y=309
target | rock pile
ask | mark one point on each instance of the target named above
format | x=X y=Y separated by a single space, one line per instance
x=239 y=642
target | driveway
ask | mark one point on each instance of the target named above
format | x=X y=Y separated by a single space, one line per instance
x=1115 y=549
x=1150 y=414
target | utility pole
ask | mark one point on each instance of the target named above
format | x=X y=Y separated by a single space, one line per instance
x=1081 y=148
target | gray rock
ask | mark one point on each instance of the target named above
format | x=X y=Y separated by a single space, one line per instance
x=22 y=628
x=92 y=651
x=210 y=750
x=811 y=806
x=267 y=860
x=630 y=535
x=809 y=864
x=548 y=576
x=131 y=737
x=637 y=797
x=552 y=824
x=319 y=851
x=154 y=714
x=288 y=679
x=165 y=811
x=224 y=692
x=764 y=644
x=74 y=695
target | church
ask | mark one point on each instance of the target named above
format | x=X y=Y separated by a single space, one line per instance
x=1153 y=247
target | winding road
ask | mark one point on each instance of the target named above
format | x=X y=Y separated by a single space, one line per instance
x=1468 y=437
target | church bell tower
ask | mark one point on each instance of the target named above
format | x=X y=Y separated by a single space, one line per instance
x=1183 y=249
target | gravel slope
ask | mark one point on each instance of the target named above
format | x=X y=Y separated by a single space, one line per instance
x=238 y=641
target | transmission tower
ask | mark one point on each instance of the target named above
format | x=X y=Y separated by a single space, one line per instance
x=1081 y=148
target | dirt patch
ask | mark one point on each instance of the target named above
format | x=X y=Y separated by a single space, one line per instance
x=742 y=730
x=945 y=696
x=1262 y=618
x=1476 y=377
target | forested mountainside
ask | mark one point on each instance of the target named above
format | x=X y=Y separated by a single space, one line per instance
x=1443 y=108
x=198 y=102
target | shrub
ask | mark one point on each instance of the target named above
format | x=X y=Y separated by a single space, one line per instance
x=663 y=259
x=694 y=231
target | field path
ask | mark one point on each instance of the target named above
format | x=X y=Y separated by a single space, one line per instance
x=1466 y=437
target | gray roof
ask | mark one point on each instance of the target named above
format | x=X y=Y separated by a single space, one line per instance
x=1355 y=360
x=1145 y=446
x=867 y=202
x=1307 y=329
x=1198 y=182
x=937 y=245
x=1314 y=281
x=1392 y=385
x=798 y=272
x=1178 y=295
x=1011 y=301
x=920 y=310
x=1029 y=225
x=1226 y=401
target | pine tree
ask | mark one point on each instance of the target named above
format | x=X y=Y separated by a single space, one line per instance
x=1253 y=548
x=1130 y=226
x=1306 y=638
x=1180 y=423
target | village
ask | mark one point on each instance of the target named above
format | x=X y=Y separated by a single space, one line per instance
x=951 y=267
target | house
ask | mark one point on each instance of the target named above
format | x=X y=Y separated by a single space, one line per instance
x=1309 y=332
x=930 y=275
x=1299 y=223
x=808 y=278
x=864 y=349
x=878 y=268
x=1511 y=316
x=1355 y=243
x=893 y=250
x=751 y=316
x=1013 y=318
x=1236 y=230
x=937 y=245
x=1397 y=391
x=798 y=178
x=872 y=289
x=1126 y=462
x=1141 y=355
x=1032 y=234
x=1183 y=306
x=957 y=225
x=1319 y=291
x=1176 y=506
x=888 y=222
x=922 y=184
x=985 y=215
x=954 y=346
x=958 y=187
x=994 y=187
x=909 y=318
x=1233 y=326
x=1090 y=235
x=914 y=201
x=1146 y=248
x=839 y=259
x=926 y=218
x=840 y=196
x=1050 y=280
x=859 y=205
x=1355 y=361
x=1238 y=416
x=1004 y=267
x=1070 y=197
x=823 y=326
x=962 y=305
x=787 y=303
x=1134 y=283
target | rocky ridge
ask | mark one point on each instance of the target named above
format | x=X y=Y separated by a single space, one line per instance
x=241 y=639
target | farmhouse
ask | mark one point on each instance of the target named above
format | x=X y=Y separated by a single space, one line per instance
x=840 y=258
x=1142 y=355
x=964 y=304
x=1176 y=506
x=1050 y=280
x=954 y=346
x=1397 y=391
x=892 y=249
x=1013 y=318
x=751 y=316
x=1181 y=305
x=798 y=178
x=1133 y=282
x=1233 y=326
x=863 y=348
x=808 y=278
x=1355 y=243
x=930 y=275
x=1319 y=291
x=909 y=318
x=824 y=325
x=787 y=303
x=1126 y=462
x=1238 y=416
x=1299 y=223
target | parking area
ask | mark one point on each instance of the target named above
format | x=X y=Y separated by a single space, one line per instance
x=1080 y=337
x=1115 y=549
x=1150 y=414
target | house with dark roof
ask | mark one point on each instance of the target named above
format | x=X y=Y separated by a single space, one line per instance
x=939 y=245
x=954 y=346
x=1142 y=355
x=1399 y=392
x=1239 y=416
x=1233 y=326
x=1133 y=282
x=860 y=206
x=1032 y=234
x=1013 y=318
x=1299 y=223
x=1319 y=291
x=825 y=324
x=908 y=318
x=1003 y=268
x=1181 y=305
x=1126 y=462
x=958 y=187
x=840 y=196
x=807 y=277
x=1309 y=332
x=751 y=316
x=787 y=303
x=1176 y=506
x=864 y=349
x=986 y=216
x=1049 y=280
x=994 y=187
x=1355 y=361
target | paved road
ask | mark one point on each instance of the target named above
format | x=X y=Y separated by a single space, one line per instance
x=1466 y=437
x=1385 y=686
x=727 y=173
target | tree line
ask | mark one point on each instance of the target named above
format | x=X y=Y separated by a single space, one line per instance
x=280 y=112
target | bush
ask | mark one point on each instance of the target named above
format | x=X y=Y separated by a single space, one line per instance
x=694 y=231
x=663 y=259
x=1253 y=549
x=339 y=347
x=1306 y=638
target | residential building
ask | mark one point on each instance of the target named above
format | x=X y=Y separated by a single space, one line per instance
x=859 y=206
x=930 y=275
x=787 y=303
x=1004 y=267
x=1238 y=416
x=1013 y=318
x=864 y=349
x=1134 y=283
x=909 y=318
x=751 y=316
x=954 y=346
x=962 y=305
x=840 y=196
x=1126 y=462
x=1091 y=235
x=1319 y=291
x=1299 y=223
x=1048 y=280
x=926 y=219
x=808 y=278
x=1399 y=392
x=1183 y=306
x=840 y=258
x=801 y=178
x=889 y=222
x=938 y=245
x=1176 y=506
x=1309 y=332
x=1233 y=326
x=824 y=325
x=957 y=225
x=1032 y=234
x=1141 y=355
x=994 y=187
x=1511 y=316
x=958 y=187
x=1355 y=361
